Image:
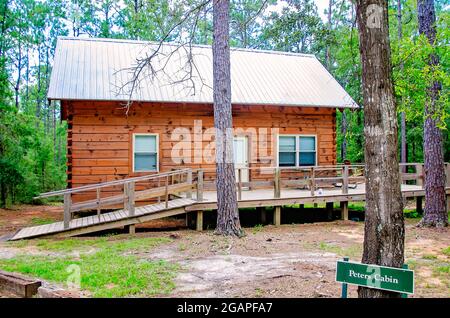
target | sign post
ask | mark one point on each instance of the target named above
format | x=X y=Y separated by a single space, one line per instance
x=399 y=280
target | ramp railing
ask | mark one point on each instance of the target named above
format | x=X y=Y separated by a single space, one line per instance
x=125 y=192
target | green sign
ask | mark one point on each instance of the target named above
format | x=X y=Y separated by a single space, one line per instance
x=374 y=276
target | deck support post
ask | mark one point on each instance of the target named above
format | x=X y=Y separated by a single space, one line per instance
x=131 y=229
x=329 y=209
x=199 y=220
x=419 y=205
x=277 y=216
x=261 y=213
x=344 y=210
x=67 y=212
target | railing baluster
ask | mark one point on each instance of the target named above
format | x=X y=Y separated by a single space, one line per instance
x=200 y=185
x=312 y=181
x=67 y=212
x=420 y=175
x=98 y=202
x=345 y=179
x=189 y=181
x=131 y=203
x=167 y=192
x=277 y=183
x=126 y=195
x=159 y=186
x=239 y=184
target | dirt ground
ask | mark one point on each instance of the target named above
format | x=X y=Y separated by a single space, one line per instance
x=295 y=260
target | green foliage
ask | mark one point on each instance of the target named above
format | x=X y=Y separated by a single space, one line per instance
x=32 y=139
x=298 y=28
x=411 y=214
x=412 y=75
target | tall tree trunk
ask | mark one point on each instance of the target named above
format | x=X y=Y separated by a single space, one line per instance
x=47 y=82
x=38 y=100
x=344 y=136
x=27 y=89
x=383 y=227
x=435 y=213
x=53 y=110
x=403 y=154
x=19 y=73
x=227 y=208
x=328 y=52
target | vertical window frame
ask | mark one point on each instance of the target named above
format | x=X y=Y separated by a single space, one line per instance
x=297 y=150
x=134 y=152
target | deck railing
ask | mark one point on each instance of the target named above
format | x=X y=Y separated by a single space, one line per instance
x=161 y=186
x=312 y=177
x=151 y=187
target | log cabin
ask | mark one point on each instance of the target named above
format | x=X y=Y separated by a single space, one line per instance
x=133 y=123
x=284 y=109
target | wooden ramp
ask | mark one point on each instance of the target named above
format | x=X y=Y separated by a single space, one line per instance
x=105 y=221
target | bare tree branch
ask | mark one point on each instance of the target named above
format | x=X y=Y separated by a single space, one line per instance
x=147 y=63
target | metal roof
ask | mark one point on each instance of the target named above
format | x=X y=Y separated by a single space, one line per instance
x=97 y=69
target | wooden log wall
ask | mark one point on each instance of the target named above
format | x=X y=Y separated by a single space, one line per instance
x=100 y=136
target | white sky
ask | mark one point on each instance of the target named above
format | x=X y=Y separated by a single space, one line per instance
x=321 y=6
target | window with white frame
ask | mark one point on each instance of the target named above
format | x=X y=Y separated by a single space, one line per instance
x=296 y=150
x=145 y=152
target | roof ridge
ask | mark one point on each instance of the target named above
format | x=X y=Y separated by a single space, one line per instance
x=194 y=45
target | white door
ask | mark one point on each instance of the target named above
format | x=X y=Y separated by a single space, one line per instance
x=240 y=149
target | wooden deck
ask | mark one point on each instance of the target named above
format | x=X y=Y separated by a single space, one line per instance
x=265 y=197
x=188 y=192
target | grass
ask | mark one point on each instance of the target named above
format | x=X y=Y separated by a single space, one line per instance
x=41 y=221
x=257 y=228
x=440 y=270
x=446 y=251
x=429 y=256
x=444 y=269
x=111 y=244
x=353 y=251
x=106 y=272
